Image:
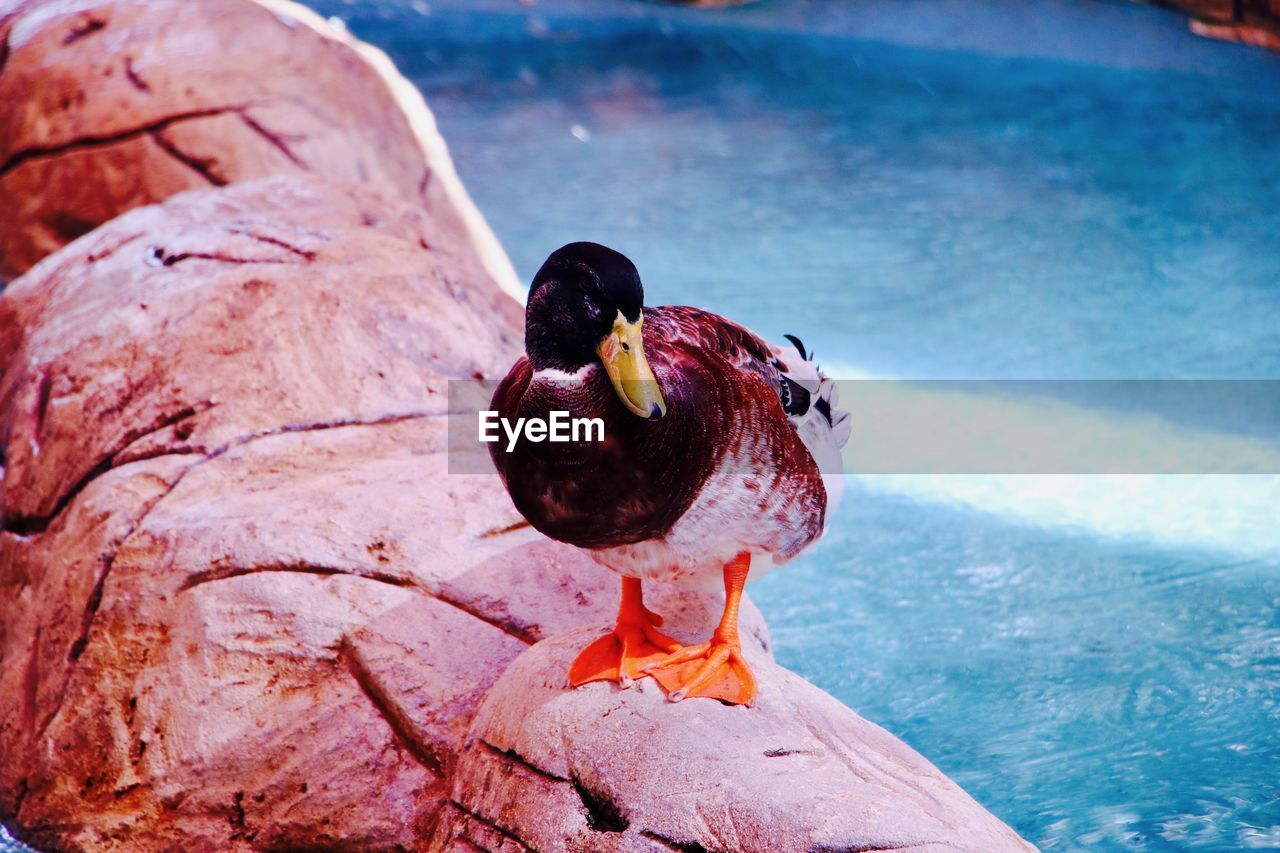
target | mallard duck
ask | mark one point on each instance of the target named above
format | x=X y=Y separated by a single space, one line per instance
x=720 y=458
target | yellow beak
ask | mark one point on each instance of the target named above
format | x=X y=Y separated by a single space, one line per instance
x=622 y=354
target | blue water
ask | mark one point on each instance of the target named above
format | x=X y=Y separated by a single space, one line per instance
x=918 y=213
x=935 y=188
x=943 y=189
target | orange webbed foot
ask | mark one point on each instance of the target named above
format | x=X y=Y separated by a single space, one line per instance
x=715 y=670
x=623 y=653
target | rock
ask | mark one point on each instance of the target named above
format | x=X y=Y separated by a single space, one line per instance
x=246 y=604
x=1265 y=33
x=599 y=768
x=1251 y=22
x=225 y=315
x=170 y=675
x=106 y=105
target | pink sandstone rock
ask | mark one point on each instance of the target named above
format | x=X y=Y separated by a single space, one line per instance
x=598 y=768
x=106 y=105
x=1265 y=34
x=1252 y=22
x=266 y=619
x=280 y=288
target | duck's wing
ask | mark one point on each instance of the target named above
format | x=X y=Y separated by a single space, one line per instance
x=806 y=394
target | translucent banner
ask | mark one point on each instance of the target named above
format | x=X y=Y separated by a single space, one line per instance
x=968 y=427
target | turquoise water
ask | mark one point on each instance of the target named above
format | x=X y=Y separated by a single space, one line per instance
x=949 y=190
x=931 y=188
x=920 y=213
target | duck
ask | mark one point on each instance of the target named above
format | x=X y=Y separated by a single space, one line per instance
x=719 y=458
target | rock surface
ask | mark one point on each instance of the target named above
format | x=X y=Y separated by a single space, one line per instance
x=106 y=105
x=1252 y=22
x=244 y=602
x=605 y=769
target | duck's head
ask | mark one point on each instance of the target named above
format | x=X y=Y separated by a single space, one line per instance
x=587 y=305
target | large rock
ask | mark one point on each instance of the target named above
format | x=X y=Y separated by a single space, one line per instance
x=224 y=315
x=106 y=105
x=1253 y=22
x=599 y=768
x=244 y=601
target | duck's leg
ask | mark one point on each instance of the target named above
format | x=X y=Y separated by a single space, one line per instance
x=716 y=669
x=634 y=643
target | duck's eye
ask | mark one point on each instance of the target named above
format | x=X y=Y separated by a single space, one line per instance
x=626 y=347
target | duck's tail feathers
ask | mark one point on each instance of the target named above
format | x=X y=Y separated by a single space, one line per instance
x=809 y=394
x=811 y=401
x=841 y=421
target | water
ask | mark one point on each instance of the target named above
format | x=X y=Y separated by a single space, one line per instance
x=1094 y=694
x=916 y=213
x=933 y=188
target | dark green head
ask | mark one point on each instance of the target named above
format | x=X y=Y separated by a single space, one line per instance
x=587 y=305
